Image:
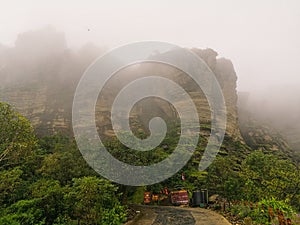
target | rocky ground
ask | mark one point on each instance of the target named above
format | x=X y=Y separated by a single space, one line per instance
x=167 y=215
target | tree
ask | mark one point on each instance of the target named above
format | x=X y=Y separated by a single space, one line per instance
x=17 y=159
x=50 y=195
x=223 y=178
x=10 y=182
x=92 y=200
x=17 y=139
x=64 y=162
x=267 y=176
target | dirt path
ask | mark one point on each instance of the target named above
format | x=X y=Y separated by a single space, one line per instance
x=167 y=215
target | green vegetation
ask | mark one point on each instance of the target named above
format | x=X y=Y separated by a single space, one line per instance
x=263 y=212
x=262 y=181
x=46 y=180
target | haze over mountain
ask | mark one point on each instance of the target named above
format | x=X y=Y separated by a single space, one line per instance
x=40 y=73
x=53 y=169
x=262 y=39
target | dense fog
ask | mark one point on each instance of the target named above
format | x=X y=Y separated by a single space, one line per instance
x=262 y=39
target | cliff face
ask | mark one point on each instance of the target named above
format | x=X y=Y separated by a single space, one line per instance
x=46 y=97
x=269 y=129
x=225 y=73
x=42 y=86
x=39 y=77
x=149 y=108
x=48 y=111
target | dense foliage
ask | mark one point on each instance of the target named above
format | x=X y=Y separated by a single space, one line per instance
x=46 y=180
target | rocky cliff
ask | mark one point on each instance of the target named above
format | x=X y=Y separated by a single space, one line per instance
x=41 y=83
x=42 y=88
x=259 y=132
x=39 y=76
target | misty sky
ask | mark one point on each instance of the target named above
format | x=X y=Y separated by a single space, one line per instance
x=262 y=38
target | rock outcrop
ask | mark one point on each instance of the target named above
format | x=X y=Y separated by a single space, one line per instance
x=259 y=133
x=42 y=86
